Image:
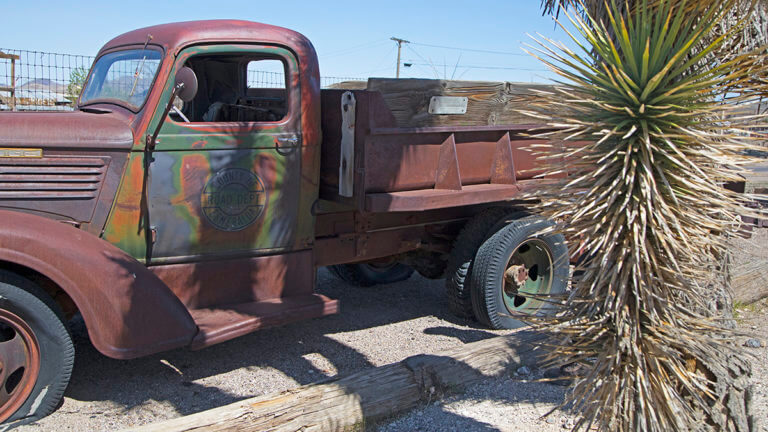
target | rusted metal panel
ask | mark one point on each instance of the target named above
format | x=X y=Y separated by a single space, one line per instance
x=447 y=175
x=354 y=236
x=78 y=187
x=199 y=285
x=503 y=167
x=52 y=183
x=367 y=246
x=396 y=168
x=230 y=321
x=410 y=161
x=427 y=199
x=128 y=311
x=65 y=130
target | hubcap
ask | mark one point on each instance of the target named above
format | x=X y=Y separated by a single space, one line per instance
x=529 y=271
x=19 y=363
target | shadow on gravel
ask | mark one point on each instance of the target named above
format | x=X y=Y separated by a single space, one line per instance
x=169 y=377
x=466 y=336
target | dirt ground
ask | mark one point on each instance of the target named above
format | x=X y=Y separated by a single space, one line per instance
x=376 y=326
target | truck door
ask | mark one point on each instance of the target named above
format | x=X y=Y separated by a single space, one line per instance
x=226 y=175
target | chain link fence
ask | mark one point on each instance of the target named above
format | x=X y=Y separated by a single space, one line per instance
x=37 y=81
x=44 y=81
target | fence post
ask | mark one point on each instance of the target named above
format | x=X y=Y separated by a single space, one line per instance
x=12 y=88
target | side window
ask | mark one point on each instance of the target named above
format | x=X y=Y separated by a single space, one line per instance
x=236 y=89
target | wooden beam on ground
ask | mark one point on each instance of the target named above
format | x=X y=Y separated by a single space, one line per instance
x=749 y=281
x=349 y=402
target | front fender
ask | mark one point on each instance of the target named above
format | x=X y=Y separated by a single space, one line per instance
x=129 y=312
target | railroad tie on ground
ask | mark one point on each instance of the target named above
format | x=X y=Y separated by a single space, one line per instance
x=368 y=395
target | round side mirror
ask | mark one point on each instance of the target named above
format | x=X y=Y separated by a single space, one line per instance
x=187 y=77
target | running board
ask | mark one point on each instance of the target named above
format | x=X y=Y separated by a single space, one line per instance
x=222 y=323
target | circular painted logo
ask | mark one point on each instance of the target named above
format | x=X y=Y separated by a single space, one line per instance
x=233 y=199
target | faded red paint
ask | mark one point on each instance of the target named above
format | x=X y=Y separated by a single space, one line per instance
x=128 y=311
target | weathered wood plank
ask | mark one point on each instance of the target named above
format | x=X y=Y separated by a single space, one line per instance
x=490 y=103
x=367 y=395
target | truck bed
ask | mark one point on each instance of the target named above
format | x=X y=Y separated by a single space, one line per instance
x=406 y=169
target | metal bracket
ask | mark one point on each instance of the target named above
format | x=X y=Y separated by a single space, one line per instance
x=347 y=159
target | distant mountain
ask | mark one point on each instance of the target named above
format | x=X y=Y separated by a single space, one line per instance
x=44 y=85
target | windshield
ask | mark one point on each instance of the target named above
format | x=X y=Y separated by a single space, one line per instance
x=122 y=76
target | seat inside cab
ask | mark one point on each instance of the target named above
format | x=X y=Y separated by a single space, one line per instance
x=235 y=88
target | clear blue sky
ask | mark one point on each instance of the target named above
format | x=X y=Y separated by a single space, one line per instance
x=351 y=38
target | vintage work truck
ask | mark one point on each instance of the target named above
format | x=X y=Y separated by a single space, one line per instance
x=183 y=204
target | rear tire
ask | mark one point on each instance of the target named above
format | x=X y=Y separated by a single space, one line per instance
x=36 y=351
x=459 y=270
x=515 y=261
x=370 y=274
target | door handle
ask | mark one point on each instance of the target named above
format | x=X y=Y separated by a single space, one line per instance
x=287 y=140
x=286 y=145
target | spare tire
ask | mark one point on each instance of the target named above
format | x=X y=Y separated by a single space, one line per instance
x=459 y=269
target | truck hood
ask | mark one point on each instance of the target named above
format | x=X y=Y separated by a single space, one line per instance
x=65 y=130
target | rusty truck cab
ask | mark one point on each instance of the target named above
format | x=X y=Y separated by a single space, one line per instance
x=228 y=186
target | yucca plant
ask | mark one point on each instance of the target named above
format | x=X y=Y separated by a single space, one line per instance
x=641 y=194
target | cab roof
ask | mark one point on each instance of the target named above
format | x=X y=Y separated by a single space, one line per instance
x=175 y=36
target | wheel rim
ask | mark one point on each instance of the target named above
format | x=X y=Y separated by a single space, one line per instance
x=19 y=363
x=528 y=271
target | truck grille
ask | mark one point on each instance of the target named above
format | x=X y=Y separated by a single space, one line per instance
x=51 y=178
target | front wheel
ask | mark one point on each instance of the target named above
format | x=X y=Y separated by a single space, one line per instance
x=372 y=273
x=36 y=351
x=514 y=272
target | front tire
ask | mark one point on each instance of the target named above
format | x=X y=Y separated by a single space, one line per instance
x=36 y=351
x=512 y=267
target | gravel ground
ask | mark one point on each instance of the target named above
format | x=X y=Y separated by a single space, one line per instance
x=376 y=326
x=516 y=404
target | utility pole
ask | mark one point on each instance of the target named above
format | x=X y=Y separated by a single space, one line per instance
x=400 y=43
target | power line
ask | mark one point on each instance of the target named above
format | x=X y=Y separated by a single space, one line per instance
x=472 y=50
x=428 y=62
x=486 y=67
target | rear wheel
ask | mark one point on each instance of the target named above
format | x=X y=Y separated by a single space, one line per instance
x=36 y=351
x=372 y=273
x=515 y=269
